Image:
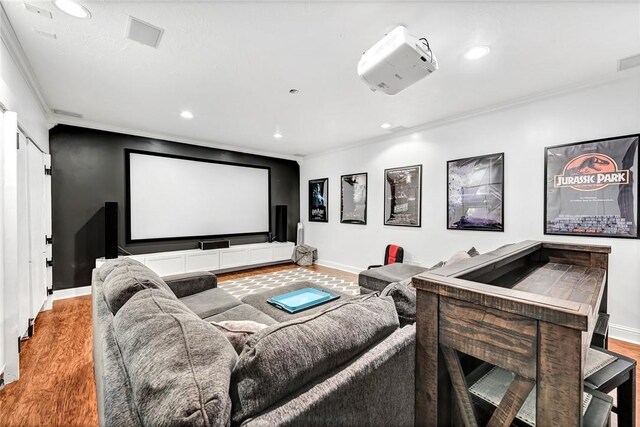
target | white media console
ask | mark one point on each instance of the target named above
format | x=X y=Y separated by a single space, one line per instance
x=227 y=259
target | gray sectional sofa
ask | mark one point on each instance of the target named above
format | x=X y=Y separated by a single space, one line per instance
x=160 y=361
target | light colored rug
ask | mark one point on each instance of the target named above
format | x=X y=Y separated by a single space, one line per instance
x=250 y=285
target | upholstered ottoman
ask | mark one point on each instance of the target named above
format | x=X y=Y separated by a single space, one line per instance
x=376 y=279
x=259 y=300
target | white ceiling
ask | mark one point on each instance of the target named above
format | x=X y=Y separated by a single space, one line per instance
x=232 y=64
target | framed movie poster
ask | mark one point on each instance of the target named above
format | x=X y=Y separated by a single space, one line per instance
x=319 y=200
x=353 y=198
x=591 y=188
x=475 y=189
x=403 y=196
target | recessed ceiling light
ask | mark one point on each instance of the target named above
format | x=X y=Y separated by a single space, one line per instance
x=72 y=8
x=277 y=135
x=385 y=125
x=477 y=52
x=186 y=115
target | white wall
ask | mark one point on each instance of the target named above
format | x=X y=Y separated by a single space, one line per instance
x=521 y=132
x=17 y=96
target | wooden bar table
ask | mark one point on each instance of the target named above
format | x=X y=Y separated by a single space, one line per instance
x=530 y=308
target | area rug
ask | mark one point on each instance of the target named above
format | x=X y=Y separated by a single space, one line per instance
x=250 y=285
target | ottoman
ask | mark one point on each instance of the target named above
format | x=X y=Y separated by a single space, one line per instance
x=259 y=300
x=376 y=279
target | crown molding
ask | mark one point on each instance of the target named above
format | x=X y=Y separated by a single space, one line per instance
x=10 y=39
x=537 y=96
x=72 y=121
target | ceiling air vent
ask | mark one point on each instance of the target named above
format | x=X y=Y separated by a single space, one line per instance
x=143 y=32
x=67 y=113
x=628 y=62
x=38 y=10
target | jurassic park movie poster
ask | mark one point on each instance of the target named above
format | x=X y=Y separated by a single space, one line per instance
x=591 y=188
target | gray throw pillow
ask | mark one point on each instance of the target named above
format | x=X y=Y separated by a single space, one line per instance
x=179 y=366
x=126 y=280
x=109 y=266
x=404 y=298
x=283 y=358
x=473 y=252
x=238 y=331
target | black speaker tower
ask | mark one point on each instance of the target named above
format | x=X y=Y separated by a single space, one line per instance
x=111 y=230
x=281 y=223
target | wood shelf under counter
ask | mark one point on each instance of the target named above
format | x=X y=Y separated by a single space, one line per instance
x=530 y=308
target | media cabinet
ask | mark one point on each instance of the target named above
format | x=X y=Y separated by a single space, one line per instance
x=235 y=257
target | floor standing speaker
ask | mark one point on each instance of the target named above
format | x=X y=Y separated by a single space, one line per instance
x=281 y=223
x=111 y=230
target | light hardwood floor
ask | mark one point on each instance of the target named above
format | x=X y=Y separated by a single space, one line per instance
x=56 y=386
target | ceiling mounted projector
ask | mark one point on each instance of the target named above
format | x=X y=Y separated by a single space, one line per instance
x=396 y=62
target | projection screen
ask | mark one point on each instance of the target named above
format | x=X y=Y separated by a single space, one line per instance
x=172 y=197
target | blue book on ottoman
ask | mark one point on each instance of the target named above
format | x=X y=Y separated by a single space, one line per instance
x=301 y=299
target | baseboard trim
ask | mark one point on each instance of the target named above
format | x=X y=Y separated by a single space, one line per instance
x=624 y=333
x=338 y=266
x=72 y=292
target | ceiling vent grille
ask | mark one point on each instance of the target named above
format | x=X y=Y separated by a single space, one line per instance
x=38 y=10
x=628 y=62
x=67 y=113
x=143 y=32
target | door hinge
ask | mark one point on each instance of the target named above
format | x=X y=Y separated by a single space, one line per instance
x=50 y=262
x=47 y=171
x=32 y=323
x=48 y=240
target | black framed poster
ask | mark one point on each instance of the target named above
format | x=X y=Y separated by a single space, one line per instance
x=475 y=189
x=403 y=196
x=591 y=188
x=319 y=200
x=353 y=198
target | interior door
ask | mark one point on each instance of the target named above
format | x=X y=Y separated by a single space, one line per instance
x=37 y=221
x=23 y=284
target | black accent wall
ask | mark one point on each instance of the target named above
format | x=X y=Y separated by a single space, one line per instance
x=88 y=170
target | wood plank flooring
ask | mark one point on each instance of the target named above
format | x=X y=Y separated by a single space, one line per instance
x=56 y=386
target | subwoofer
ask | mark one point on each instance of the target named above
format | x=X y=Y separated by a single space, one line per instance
x=111 y=230
x=281 y=223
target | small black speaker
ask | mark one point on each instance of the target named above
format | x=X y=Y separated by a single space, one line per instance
x=213 y=244
x=281 y=223
x=111 y=230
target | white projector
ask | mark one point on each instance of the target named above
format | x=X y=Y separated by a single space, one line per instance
x=396 y=62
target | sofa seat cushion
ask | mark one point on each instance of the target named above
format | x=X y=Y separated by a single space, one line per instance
x=242 y=312
x=110 y=265
x=376 y=279
x=285 y=357
x=179 y=366
x=126 y=279
x=210 y=302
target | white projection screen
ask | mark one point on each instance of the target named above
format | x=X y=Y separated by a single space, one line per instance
x=173 y=197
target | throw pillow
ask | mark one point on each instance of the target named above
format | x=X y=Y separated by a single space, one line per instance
x=473 y=252
x=458 y=256
x=238 y=331
x=404 y=298
x=179 y=366
x=126 y=280
x=283 y=358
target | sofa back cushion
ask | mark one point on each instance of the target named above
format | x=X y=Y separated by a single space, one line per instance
x=110 y=265
x=179 y=366
x=126 y=279
x=404 y=298
x=283 y=358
